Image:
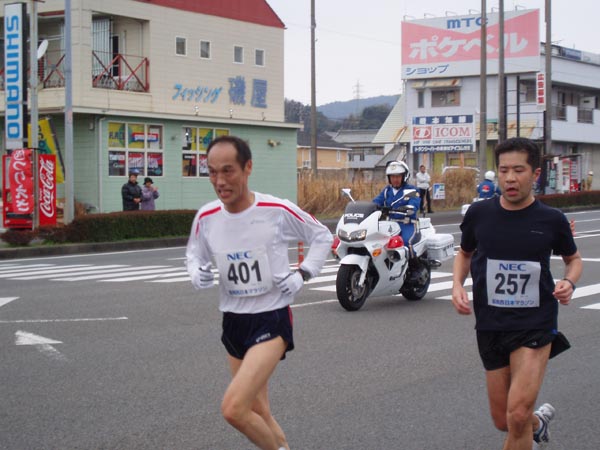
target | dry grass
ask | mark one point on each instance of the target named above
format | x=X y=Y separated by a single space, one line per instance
x=322 y=195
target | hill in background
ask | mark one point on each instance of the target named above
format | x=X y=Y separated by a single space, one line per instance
x=342 y=110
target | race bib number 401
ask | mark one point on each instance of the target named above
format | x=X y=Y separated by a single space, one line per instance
x=513 y=284
x=244 y=273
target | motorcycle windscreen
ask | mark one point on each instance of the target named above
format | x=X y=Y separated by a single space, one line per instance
x=356 y=212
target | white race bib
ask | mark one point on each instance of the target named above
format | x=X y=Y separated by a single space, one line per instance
x=513 y=284
x=245 y=273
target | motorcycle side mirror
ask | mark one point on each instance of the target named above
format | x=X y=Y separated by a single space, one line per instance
x=410 y=193
x=346 y=192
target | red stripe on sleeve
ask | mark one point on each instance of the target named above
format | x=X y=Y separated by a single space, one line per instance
x=205 y=214
x=279 y=205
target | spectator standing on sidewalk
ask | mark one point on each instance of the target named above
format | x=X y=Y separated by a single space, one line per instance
x=424 y=186
x=131 y=192
x=149 y=194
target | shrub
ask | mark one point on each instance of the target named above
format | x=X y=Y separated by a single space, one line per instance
x=18 y=237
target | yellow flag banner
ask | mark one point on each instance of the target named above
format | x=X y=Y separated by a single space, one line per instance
x=48 y=145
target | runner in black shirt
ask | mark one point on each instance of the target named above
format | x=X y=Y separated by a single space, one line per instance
x=506 y=244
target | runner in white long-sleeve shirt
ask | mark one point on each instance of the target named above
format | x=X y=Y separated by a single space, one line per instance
x=246 y=234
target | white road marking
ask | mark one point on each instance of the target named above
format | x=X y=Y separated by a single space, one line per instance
x=594 y=306
x=42 y=344
x=106 y=274
x=71 y=271
x=92 y=319
x=6 y=300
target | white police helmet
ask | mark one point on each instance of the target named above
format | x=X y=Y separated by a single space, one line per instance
x=398 y=168
x=490 y=175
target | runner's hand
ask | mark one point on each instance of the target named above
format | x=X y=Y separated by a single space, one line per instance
x=204 y=278
x=290 y=283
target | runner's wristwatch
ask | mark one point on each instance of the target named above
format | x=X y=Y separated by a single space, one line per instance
x=572 y=284
x=306 y=276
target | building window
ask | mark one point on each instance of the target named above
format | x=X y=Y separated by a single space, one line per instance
x=205 y=49
x=446 y=97
x=194 y=142
x=527 y=91
x=421 y=99
x=180 y=46
x=338 y=156
x=238 y=54
x=136 y=146
x=259 y=57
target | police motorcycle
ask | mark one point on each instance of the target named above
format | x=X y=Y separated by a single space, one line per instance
x=490 y=176
x=375 y=261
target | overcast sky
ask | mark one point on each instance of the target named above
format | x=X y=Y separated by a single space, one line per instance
x=358 y=41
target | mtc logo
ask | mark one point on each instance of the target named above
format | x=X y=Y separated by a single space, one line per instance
x=513 y=267
x=239 y=256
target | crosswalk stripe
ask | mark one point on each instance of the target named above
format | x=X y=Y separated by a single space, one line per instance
x=137 y=269
x=140 y=277
x=324 y=282
x=72 y=271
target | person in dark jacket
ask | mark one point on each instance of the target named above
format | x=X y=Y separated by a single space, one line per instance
x=131 y=193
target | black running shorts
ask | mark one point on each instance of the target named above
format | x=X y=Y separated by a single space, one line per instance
x=495 y=347
x=242 y=331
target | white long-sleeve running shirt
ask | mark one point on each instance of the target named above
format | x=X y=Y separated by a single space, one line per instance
x=250 y=249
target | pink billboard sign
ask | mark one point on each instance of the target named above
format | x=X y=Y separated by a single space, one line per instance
x=451 y=46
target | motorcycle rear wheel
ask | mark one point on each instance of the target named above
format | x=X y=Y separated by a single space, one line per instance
x=417 y=290
x=350 y=295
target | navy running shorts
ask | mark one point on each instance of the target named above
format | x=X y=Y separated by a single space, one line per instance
x=495 y=347
x=242 y=331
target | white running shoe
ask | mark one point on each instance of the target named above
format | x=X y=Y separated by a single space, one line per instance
x=545 y=413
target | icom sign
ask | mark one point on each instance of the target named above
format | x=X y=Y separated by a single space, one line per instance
x=443 y=134
x=15 y=89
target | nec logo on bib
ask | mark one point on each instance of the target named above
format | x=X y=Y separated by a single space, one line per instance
x=239 y=256
x=513 y=267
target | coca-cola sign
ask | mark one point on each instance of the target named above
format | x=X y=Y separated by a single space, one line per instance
x=47 y=189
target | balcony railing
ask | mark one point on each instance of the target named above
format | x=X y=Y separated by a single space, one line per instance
x=120 y=72
x=559 y=112
x=585 y=115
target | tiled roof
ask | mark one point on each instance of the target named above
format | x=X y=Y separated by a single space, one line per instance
x=253 y=11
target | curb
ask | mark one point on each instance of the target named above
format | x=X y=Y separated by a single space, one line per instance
x=94 y=247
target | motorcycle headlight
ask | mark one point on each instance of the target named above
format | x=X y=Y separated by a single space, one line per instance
x=356 y=235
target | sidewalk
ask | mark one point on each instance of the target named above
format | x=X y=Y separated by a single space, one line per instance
x=40 y=250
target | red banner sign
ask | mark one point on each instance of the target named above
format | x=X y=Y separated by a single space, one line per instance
x=47 y=189
x=21 y=181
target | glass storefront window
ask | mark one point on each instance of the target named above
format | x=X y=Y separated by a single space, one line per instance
x=194 y=163
x=141 y=145
x=116 y=164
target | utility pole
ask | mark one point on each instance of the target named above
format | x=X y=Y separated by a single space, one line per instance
x=69 y=210
x=33 y=107
x=483 y=93
x=313 y=93
x=501 y=77
x=548 y=93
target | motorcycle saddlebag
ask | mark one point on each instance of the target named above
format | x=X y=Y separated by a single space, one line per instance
x=440 y=247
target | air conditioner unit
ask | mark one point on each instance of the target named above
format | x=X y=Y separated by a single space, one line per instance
x=588 y=102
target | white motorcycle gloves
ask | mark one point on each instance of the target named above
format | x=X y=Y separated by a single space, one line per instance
x=290 y=283
x=204 y=278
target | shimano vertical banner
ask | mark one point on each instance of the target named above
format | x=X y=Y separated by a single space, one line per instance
x=20 y=180
x=15 y=74
x=47 y=189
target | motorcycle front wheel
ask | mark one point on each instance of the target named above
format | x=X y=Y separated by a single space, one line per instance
x=350 y=295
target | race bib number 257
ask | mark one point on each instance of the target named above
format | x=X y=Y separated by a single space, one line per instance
x=513 y=284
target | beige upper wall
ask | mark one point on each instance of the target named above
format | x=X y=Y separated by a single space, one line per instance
x=150 y=31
